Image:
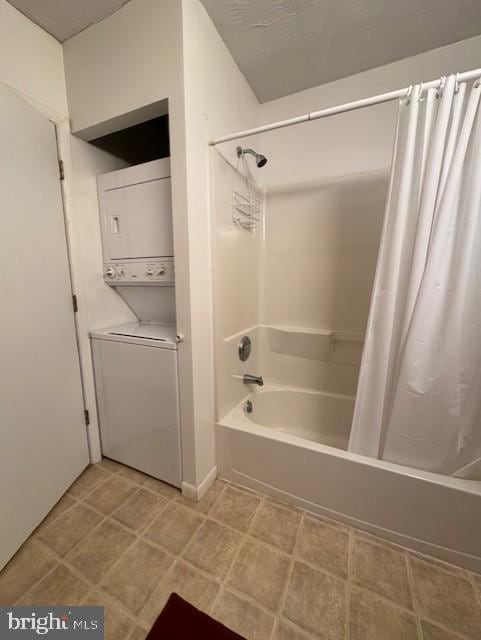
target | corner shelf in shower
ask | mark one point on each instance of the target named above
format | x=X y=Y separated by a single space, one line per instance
x=328 y=345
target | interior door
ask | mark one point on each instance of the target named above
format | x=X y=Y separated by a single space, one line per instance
x=43 y=441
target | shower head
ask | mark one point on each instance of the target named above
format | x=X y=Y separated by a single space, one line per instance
x=260 y=159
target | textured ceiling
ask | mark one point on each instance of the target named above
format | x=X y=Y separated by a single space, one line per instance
x=284 y=46
x=64 y=18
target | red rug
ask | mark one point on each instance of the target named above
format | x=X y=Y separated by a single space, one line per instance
x=179 y=620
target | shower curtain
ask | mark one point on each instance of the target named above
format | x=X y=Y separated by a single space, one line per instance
x=419 y=394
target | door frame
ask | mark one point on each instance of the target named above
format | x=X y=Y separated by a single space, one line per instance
x=77 y=283
x=75 y=304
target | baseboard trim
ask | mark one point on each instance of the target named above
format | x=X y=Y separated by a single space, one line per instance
x=196 y=493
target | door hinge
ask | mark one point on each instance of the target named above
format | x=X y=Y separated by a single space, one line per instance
x=87 y=417
x=75 y=303
x=61 y=169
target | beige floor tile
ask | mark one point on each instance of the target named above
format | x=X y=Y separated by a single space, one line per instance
x=69 y=528
x=138 y=634
x=381 y=568
x=27 y=566
x=163 y=489
x=282 y=503
x=450 y=568
x=316 y=602
x=433 y=632
x=277 y=526
x=60 y=587
x=137 y=576
x=204 y=505
x=213 y=548
x=446 y=598
x=243 y=617
x=477 y=587
x=90 y=478
x=260 y=573
x=324 y=545
x=111 y=494
x=62 y=505
x=139 y=510
x=284 y=631
x=235 y=508
x=109 y=465
x=132 y=474
x=174 y=527
x=373 y=618
x=117 y=624
x=133 y=579
x=98 y=551
x=188 y=584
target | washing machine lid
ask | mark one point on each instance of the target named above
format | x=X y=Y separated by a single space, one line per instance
x=150 y=334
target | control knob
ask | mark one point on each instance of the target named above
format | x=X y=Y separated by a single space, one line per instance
x=149 y=272
x=110 y=272
x=161 y=271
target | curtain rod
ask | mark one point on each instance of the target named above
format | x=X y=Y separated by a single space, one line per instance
x=342 y=108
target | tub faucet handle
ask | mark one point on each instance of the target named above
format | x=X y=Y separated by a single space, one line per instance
x=250 y=379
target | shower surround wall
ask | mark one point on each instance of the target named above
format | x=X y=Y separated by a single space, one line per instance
x=341 y=155
x=237 y=284
x=320 y=252
x=299 y=285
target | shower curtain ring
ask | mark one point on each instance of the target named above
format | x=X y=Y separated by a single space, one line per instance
x=442 y=82
x=409 y=94
x=456 y=83
x=421 y=89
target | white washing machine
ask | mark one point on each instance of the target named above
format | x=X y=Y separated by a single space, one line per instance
x=138 y=398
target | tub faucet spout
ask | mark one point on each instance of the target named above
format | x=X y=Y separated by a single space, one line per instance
x=250 y=379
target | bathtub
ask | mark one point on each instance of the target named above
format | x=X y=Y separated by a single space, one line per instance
x=313 y=415
x=292 y=446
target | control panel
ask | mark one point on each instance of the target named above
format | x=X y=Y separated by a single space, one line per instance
x=153 y=272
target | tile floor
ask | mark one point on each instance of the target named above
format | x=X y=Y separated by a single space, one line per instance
x=268 y=571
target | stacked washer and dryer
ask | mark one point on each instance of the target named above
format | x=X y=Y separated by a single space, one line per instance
x=136 y=371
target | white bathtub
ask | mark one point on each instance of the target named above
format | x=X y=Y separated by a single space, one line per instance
x=313 y=415
x=292 y=447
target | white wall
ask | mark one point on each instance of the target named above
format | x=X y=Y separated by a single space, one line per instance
x=144 y=53
x=217 y=99
x=128 y=61
x=357 y=141
x=31 y=62
x=131 y=59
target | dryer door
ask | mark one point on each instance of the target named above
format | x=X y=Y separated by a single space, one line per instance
x=137 y=396
x=137 y=221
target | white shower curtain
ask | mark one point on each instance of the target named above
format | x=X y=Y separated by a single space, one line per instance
x=419 y=392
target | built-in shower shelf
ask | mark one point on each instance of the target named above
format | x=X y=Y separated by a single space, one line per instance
x=341 y=347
